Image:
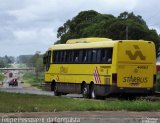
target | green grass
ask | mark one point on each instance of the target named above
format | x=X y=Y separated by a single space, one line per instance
x=34 y=80
x=1 y=77
x=10 y=102
x=21 y=65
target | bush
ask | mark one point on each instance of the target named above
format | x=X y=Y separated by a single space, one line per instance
x=33 y=79
x=1 y=77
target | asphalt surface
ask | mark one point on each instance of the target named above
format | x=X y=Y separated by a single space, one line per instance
x=21 y=88
x=25 y=90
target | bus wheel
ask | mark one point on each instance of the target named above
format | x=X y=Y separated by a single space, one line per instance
x=85 y=91
x=92 y=93
x=54 y=89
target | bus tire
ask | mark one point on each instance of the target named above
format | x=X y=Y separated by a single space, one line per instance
x=92 y=93
x=54 y=89
x=85 y=91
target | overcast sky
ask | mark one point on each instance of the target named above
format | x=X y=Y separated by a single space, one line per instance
x=27 y=26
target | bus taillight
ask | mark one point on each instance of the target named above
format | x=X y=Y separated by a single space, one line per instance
x=114 y=78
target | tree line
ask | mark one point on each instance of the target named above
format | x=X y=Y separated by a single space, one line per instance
x=35 y=61
x=6 y=61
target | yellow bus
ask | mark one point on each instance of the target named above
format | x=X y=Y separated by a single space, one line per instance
x=99 y=66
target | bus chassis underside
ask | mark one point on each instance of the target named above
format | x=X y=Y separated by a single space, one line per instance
x=99 y=90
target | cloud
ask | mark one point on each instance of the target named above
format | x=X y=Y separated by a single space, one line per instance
x=31 y=25
x=6 y=34
x=30 y=36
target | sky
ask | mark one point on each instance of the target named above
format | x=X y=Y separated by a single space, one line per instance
x=27 y=26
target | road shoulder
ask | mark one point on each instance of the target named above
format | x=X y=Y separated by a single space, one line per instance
x=90 y=116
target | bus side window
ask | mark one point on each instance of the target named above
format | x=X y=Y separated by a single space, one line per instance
x=109 y=56
x=98 y=60
x=67 y=56
x=64 y=56
x=54 y=56
x=103 y=56
x=76 y=56
x=70 y=56
x=61 y=56
x=84 y=56
x=89 y=56
x=80 y=56
x=58 y=56
x=48 y=58
x=93 y=56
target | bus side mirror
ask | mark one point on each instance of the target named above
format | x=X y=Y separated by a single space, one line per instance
x=44 y=60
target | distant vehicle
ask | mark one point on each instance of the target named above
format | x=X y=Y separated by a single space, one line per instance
x=13 y=82
x=99 y=67
x=158 y=67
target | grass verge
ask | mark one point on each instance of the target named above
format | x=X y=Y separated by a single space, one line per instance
x=34 y=80
x=1 y=77
x=33 y=103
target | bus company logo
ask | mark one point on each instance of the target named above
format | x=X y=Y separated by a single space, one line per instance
x=96 y=76
x=136 y=54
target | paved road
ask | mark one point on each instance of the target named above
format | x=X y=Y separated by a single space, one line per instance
x=21 y=88
x=27 y=91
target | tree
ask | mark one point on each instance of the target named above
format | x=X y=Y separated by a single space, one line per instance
x=93 y=24
x=2 y=64
x=36 y=61
x=85 y=24
x=131 y=16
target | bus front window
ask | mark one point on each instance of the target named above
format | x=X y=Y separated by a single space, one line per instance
x=48 y=60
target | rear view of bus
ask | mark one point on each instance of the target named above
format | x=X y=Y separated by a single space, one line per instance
x=136 y=67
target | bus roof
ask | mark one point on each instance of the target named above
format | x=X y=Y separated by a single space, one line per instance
x=88 y=43
x=87 y=40
x=83 y=45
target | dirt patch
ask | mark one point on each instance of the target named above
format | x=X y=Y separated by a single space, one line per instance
x=27 y=85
